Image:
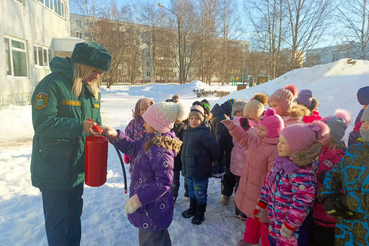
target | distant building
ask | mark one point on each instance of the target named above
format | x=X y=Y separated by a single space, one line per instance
x=31 y=33
x=334 y=53
x=159 y=61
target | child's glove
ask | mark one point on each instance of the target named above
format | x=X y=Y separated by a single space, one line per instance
x=335 y=205
x=111 y=132
x=127 y=159
x=259 y=210
x=133 y=204
x=245 y=124
x=286 y=230
x=228 y=123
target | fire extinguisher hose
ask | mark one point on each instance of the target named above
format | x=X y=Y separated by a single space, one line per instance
x=121 y=161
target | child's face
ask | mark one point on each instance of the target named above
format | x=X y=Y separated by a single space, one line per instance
x=276 y=107
x=262 y=131
x=252 y=114
x=148 y=128
x=142 y=111
x=194 y=121
x=239 y=113
x=365 y=125
x=283 y=146
x=327 y=140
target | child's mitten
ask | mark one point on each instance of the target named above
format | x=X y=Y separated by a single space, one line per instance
x=127 y=159
x=245 y=124
x=286 y=230
x=133 y=204
x=259 y=210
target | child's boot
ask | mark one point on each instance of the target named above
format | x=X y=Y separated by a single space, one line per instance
x=200 y=214
x=224 y=201
x=192 y=210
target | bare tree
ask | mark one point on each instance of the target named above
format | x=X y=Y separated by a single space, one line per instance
x=229 y=21
x=269 y=22
x=354 y=15
x=308 y=20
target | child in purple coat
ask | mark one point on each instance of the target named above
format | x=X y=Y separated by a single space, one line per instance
x=135 y=128
x=150 y=207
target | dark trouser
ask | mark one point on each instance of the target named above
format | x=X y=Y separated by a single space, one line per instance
x=62 y=211
x=176 y=183
x=154 y=238
x=198 y=189
x=305 y=229
x=218 y=168
x=228 y=183
x=321 y=235
x=237 y=211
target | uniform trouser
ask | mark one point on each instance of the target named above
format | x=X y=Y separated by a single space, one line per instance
x=198 y=189
x=62 y=211
x=154 y=238
x=176 y=183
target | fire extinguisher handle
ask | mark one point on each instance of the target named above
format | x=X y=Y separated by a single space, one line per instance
x=96 y=128
x=121 y=160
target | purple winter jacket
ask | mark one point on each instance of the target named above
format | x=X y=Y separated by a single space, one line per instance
x=152 y=178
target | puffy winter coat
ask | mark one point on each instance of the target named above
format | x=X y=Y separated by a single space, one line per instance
x=290 y=197
x=288 y=120
x=261 y=154
x=135 y=131
x=58 y=151
x=239 y=153
x=219 y=114
x=226 y=146
x=178 y=129
x=352 y=176
x=327 y=160
x=152 y=178
x=199 y=150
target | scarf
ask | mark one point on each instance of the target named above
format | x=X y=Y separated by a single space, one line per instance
x=282 y=163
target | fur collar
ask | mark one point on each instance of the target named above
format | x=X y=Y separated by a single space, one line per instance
x=305 y=157
x=167 y=142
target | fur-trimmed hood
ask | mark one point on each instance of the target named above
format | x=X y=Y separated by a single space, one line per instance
x=167 y=141
x=306 y=157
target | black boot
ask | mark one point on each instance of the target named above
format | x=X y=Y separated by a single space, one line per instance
x=200 y=214
x=191 y=211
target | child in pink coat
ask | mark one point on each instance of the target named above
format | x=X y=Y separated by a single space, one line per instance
x=323 y=227
x=262 y=151
x=289 y=191
x=283 y=101
x=135 y=128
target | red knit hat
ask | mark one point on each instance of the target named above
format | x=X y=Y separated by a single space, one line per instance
x=284 y=98
x=272 y=122
x=302 y=136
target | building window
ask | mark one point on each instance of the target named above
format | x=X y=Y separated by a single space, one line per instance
x=78 y=35
x=147 y=64
x=147 y=53
x=56 y=5
x=16 y=57
x=42 y=56
x=78 y=23
x=91 y=23
x=20 y=1
x=148 y=73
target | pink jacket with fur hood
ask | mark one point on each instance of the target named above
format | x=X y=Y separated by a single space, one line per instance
x=260 y=157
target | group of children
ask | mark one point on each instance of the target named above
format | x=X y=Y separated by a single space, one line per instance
x=296 y=183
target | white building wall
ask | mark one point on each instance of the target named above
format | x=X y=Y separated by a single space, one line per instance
x=35 y=24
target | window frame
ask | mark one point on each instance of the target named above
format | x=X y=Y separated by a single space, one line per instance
x=55 y=6
x=11 y=61
x=44 y=50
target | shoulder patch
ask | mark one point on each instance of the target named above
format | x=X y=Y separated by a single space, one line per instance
x=96 y=105
x=71 y=103
x=41 y=100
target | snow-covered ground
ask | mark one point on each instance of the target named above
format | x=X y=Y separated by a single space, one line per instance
x=104 y=220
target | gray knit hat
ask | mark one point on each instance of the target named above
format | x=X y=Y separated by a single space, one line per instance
x=238 y=106
x=338 y=124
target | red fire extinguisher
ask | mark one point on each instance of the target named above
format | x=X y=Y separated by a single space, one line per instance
x=96 y=159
